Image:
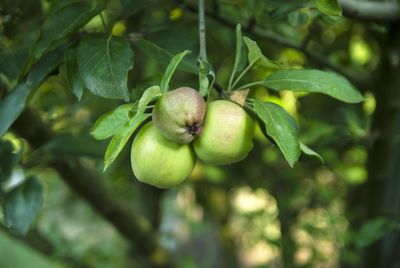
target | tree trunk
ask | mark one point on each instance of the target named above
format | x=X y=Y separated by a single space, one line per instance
x=381 y=156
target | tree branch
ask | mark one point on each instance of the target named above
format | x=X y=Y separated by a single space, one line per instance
x=373 y=11
x=89 y=186
x=202 y=32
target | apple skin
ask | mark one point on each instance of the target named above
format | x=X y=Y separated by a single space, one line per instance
x=227 y=134
x=158 y=161
x=179 y=114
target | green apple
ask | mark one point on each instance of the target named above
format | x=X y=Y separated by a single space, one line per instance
x=159 y=161
x=227 y=134
x=179 y=114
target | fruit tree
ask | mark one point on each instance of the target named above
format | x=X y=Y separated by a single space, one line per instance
x=199 y=133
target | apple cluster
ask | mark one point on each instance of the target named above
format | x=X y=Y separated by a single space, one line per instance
x=164 y=151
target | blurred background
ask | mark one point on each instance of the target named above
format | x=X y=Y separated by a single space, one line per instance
x=256 y=213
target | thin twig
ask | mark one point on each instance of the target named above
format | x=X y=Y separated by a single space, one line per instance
x=202 y=32
x=218 y=88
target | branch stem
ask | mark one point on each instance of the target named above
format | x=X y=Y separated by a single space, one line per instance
x=202 y=32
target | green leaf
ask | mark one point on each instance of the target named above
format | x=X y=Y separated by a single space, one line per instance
x=328 y=83
x=72 y=73
x=308 y=151
x=14 y=103
x=281 y=127
x=329 y=7
x=255 y=55
x=112 y=122
x=104 y=63
x=121 y=138
x=297 y=18
x=206 y=71
x=238 y=54
x=30 y=56
x=8 y=159
x=256 y=60
x=373 y=230
x=161 y=55
x=22 y=204
x=150 y=94
x=12 y=106
x=171 y=69
x=64 y=22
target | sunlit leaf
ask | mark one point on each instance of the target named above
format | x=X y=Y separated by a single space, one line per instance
x=104 y=63
x=308 y=151
x=281 y=127
x=255 y=54
x=328 y=83
x=171 y=69
x=112 y=122
x=148 y=95
x=22 y=204
x=121 y=138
